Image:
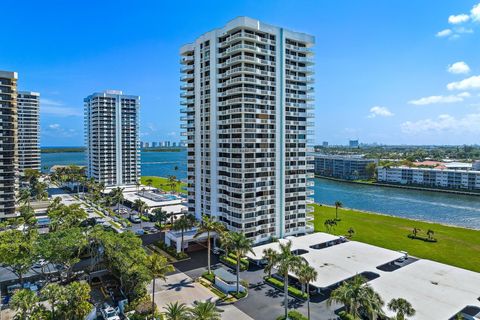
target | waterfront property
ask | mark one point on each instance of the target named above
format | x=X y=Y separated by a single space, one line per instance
x=456 y=246
x=435 y=290
x=431 y=177
x=28 y=130
x=348 y=167
x=112 y=138
x=247 y=97
x=8 y=142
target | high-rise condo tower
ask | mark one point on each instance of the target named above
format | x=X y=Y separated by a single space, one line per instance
x=28 y=130
x=247 y=100
x=112 y=139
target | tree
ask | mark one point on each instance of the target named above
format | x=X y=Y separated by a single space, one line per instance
x=137 y=185
x=350 y=232
x=208 y=226
x=25 y=196
x=116 y=195
x=31 y=176
x=183 y=224
x=415 y=231
x=158 y=267
x=24 y=301
x=402 y=307
x=176 y=311
x=17 y=251
x=172 y=182
x=206 y=311
x=160 y=216
x=430 y=234
x=349 y=294
x=74 y=304
x=52 y=292
x=371 y=302
x=338 y=204
x=65 y=217
x=269 y=254
x=371 y=169
x=27 y=215
x=149 y=182
x=40 y=190
x=240 y=245
x=140 y=206
x=286 y=262
x=306 y=274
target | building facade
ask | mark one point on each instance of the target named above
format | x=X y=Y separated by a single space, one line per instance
x=342 y=167
x=8 y=143
x=112 y=138
x=28 y=130
x=434 y=178
x=247 y=100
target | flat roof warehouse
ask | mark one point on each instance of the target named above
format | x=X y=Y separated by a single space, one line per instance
x=435 y=290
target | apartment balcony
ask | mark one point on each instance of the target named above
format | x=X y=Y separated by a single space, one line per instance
x=304 y=50
x=187 y=86
x=187 y=101
x=187 y=69
x=187 y=77
x=186 y=59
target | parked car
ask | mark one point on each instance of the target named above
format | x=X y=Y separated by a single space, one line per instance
x=135 y=219
x=139 y=232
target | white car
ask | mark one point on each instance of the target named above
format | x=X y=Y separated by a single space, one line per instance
x=110 y=313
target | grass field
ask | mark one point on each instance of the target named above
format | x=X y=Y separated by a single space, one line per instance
x=162 y=183
x=456 y=246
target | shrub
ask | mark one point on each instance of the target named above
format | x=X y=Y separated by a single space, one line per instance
x=209 y=276
x=172 y=251
x=233 y=263
x=291 y=290
x=345 y=315
x=293 y=315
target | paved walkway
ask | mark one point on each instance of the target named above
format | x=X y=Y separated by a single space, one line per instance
x=180 y=287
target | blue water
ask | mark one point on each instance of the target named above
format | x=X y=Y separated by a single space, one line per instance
x=424 y=205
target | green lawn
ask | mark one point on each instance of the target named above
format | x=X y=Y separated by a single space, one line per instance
x=456 y=246
x=162 y=183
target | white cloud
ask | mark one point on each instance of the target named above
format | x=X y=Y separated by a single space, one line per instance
x=459 y=67
x=464 y=95
x=444 y=123
x=57 y=131
x=172 y=134
x=456 y=19
x=475 y=12
x=438 y=99
x=444 y=33
x=54 y=126
x=380 y=112
x=58 y=108
x=466 y=84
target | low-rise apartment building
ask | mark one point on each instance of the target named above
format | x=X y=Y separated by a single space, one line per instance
x=349 y=167
x=435 y=178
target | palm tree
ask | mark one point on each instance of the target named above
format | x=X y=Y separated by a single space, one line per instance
x=140 y=206
x=371 y=302
x=157 y=267
x=149 y=182
x=402 y=307
x=27 y=214
x=430 y=234
x=159 y=215
x=172 y=182
x=183 y=224
x=269 y=254
x=24 y=301
x=338 y=204
x=176 y=311
x=240 y=245
x=205 y=311
x=25 y=196
x=137 y=185
x=208 y=225
x=286 y=262
x=40 y=190
x=350 y=232
x=117 y=197
x=415 y=231
x=349 y=294
x=306 y=274
x=52 y=293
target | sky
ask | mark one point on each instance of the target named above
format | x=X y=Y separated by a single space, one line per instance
x=390 y=72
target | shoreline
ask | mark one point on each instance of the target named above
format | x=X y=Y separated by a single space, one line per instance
x=405 y=187
x=394 y=216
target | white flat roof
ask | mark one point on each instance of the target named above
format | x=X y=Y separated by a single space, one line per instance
x=303 y=242
x=435 y=290
x=343 y=261
x=175 y=209
x=132 y=196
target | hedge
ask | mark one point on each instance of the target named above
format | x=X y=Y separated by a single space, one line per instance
x=233 y=263
x=171 y=251
x=291 y=290
x=209 y=276
x=293 y=315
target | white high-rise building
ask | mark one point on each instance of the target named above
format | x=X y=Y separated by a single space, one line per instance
x=247 y=97
x=112 y=137
x=28 y=130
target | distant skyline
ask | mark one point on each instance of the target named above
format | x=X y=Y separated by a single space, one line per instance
x=390 y=72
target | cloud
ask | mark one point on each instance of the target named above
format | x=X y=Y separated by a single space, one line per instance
x=444 y=123
x=458 y=67
x=440 y=99
x=456 y=19
x=444 y=33
x=58 y=108
x=172 y=134
x=57 y=131
x=466 y=84
x=380 y=112
x=54 y=126
x=475 y=12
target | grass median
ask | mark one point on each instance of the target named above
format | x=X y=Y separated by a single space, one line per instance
x=455 y=246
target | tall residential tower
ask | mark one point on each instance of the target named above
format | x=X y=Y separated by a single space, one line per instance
x=8 y=142
x=28 y=130
x=247 y=96
x=112 y=139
